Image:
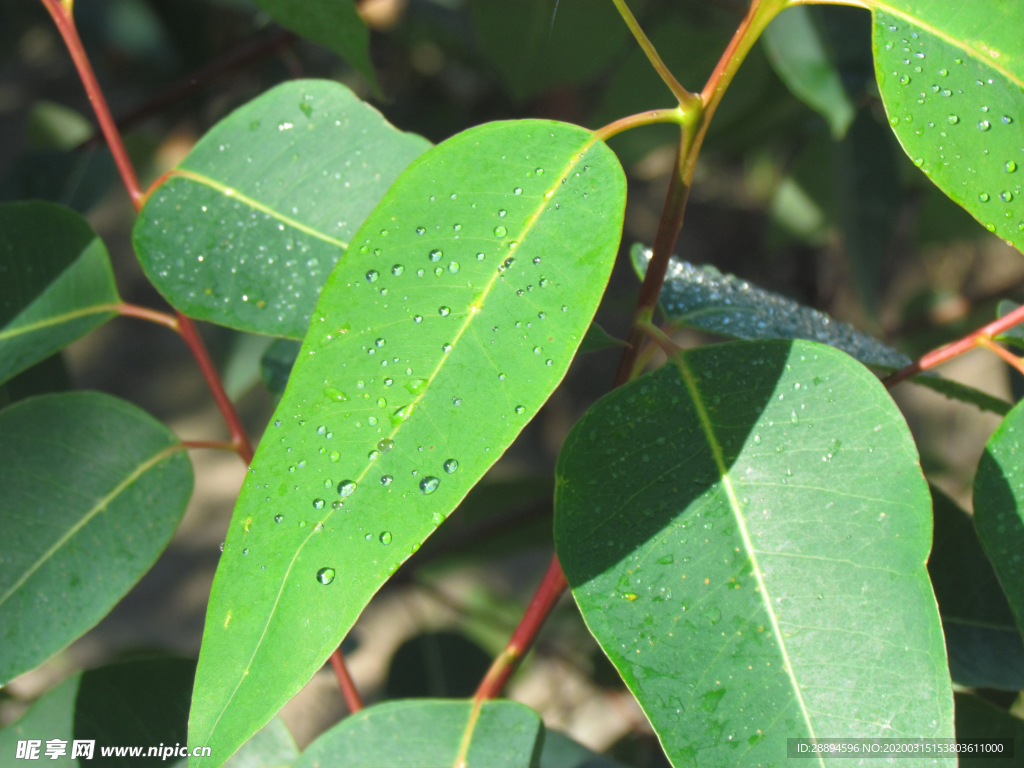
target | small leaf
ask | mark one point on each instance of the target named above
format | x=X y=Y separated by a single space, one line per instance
x=93 y=490
x=429 y=733
x=951 y=81
x=57 y=283
x=976 y=719
x=999 y=507
x=799 y=55
x=598 y=338
x=271 y=747
x=246 y=229
x=983 y=642
x=750 y=552
x=334 y=24
x=54 y=126
x=432 y=346
x=51 y=716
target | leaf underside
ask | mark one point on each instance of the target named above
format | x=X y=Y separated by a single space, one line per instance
x=750 y=553
x=433 y=344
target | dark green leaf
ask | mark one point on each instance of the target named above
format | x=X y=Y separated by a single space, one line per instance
x=56 y=283
x=243 y=368
x=597 y=338
x=439 y=665
x=276 y=364
x=801 y=58
x=50 y=717
x=999 y=507
x=954 y=390
x=50 y=375
x=246 y=229
x=271 y=747
x=750 y=552
x=136 y=703
x=982 y=640
x=562 y=752
x=537 y=46
x=977 y=719
x=333 y=24
x=93 y=490
x=431 y=347
x=1014 y=335
x=78 y=180
x=951 y=80
x=428 y=734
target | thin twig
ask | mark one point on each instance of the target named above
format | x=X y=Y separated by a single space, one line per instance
x=1009 y=357
x=152 y=315
x=652 y=116
x=348 y=688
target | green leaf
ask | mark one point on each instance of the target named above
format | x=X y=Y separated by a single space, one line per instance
x=271 y=747
x=428 y=733
x=977 y=719
x=954 y=390
x=562 y=752
x=246 y=229
x=276 y=364
x=951 y=80
x=999 y=507
x=135 y=703
x=77 y=179
x=51 y=716
x=537 y=45
x=982 y=640
x=50 y=375
x=598 y=338
x=801 y=58
x=54 y=126
x=243 y=368
x=333 y=24
x=1014 y=335
x=430 y=349
x=440 y=665
x=93 y=490
x=57 y=283
x=750 y=552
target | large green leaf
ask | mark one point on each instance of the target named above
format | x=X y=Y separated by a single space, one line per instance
x=93 y=490
x=952 y=80
x=51 y=716
x=982 y=640
x=745 y=531
x=333 y=24
x=56 y=283
x=473 y=284
x=977 y=719
x=800 y=56
x=562 y=752
x=431 y=733
x=999 y=507
x=246 y=229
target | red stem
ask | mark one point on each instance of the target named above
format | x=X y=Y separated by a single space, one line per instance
x=153 y=316
x=1008 y=356
x=551 y=588
x=348 y=688
x=948 y=352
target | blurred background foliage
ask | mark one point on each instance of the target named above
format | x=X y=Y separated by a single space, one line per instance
x=801 y=188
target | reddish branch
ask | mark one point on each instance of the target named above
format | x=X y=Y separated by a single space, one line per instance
x=348 y=688
x=61 y=13
x=980 y=338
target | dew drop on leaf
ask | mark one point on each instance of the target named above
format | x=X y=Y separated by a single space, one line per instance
x=318 y=503
x=435 y=255
x=429 y=484
x=346 y=488
x=500 y=231
x=372 y=275
x=278 y=518
x=450 y=466
x=385 y=445
x=325 y=575
x=385 y=538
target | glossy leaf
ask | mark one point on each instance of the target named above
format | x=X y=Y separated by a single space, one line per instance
x=977 y=719
x=334 y=24
x=999 y=507
x=77 y=539
x=51 y=716
x=537 y=45
x=800 y=56
x=982 y=640
x=430 y=733
x=246 y=229
x=750 y=552
x=56 y=283
x=135 y=703
x=271 y=747
x=952 y=81
x=431 y=347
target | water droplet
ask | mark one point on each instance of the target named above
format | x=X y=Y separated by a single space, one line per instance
x=385 y=538
x=429 y=484
x=385 y=445
x=245 y=551
x=539 y=171
x=388 y=382
x=451 y=465
x=325 y=575
x=278 y=518
x=373 y=455
x=386 y=480
x=456 y=401
x=500 y=231
x=984 y=125
x=666 y=560
x=457 y=227
x=453 y=267
x=983 y=197
x=943 y=72
x=517 y=191
x=1010 y=166
x=443 y=311
x=397 y=270
x=480 y=257
x=372 y=275
x=520 y=409
x=420 y=230
x=418 y=319
x=507 y=263
x=318 y=503
x=1006 y=196
x=335 y=456
x=380 y=343
x=954 y=119
x=905 y=80
x=501 y=213
x=435 y=255
x=346 y=487
x=1007 y=119
x=446 y=348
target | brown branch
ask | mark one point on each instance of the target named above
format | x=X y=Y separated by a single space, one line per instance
x=348 y=688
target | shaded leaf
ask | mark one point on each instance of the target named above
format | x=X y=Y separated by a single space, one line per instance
x=598 y=338
x=93 y=490
x=243 y=368
x=430 y=349
x=271 y=747
x=333 y=24
x=143 y=702
x=57 y=283
x=78 y=180
x=801 y=58
x=51 y=716
x=1014 y=335
x=246 y=229
x=954 y=390
x=276 y=364
x=770 y=581
x=999 y=507
x=428 y=733
x=982 y=640
x=562 y=752
x=951 y=81
x=436 y=665
x=50 y=375
x=977 y=719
